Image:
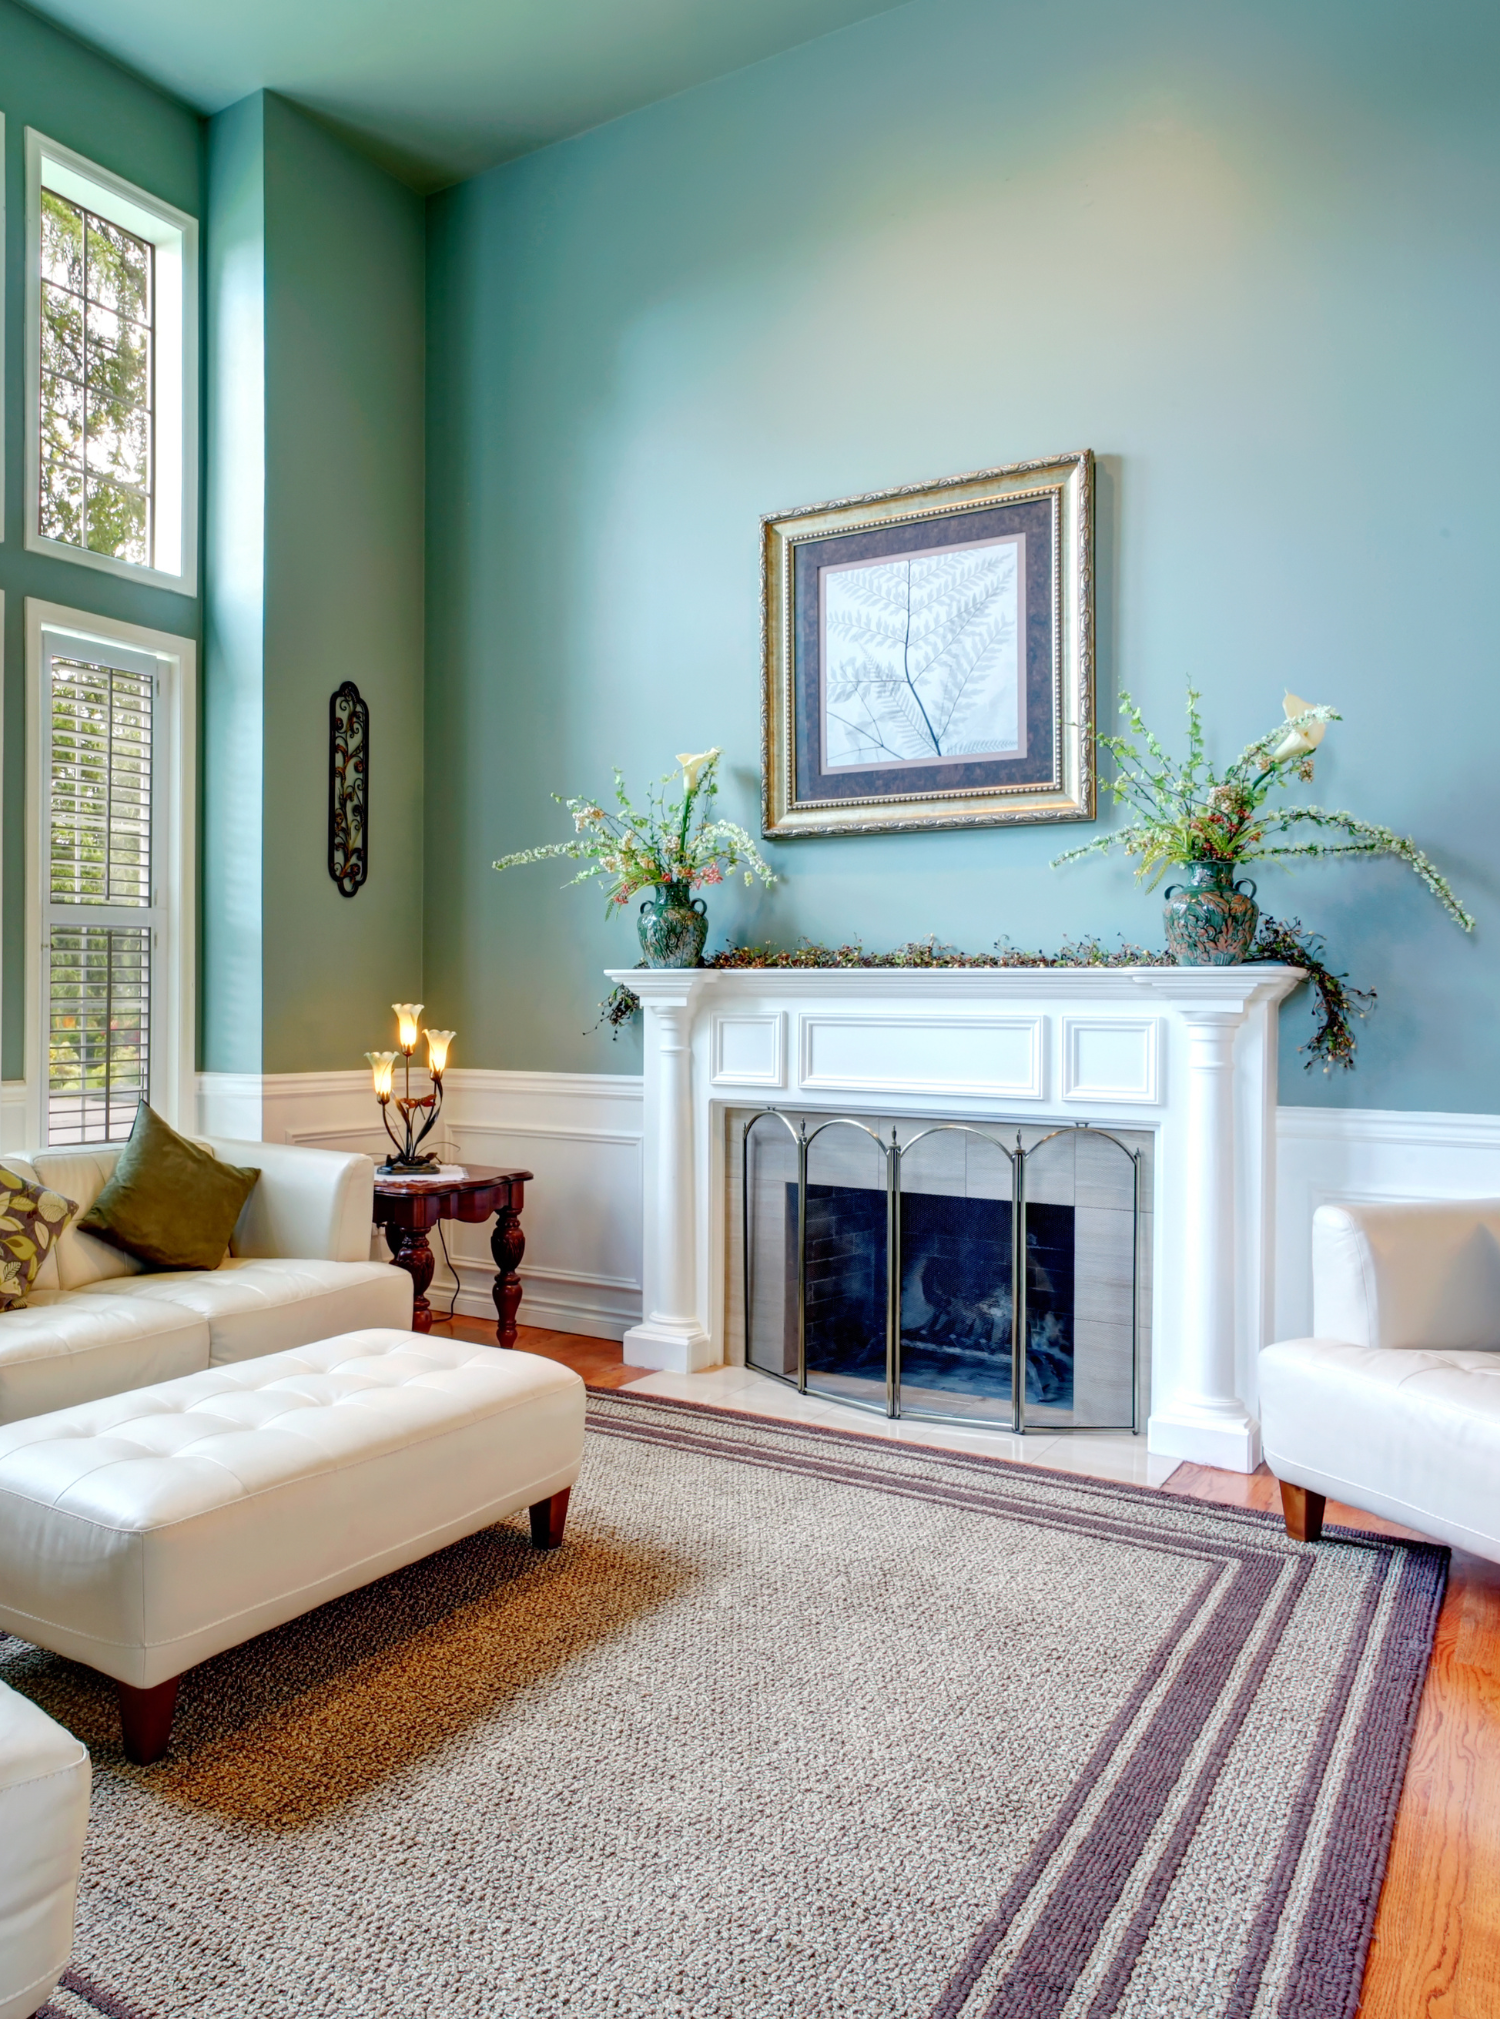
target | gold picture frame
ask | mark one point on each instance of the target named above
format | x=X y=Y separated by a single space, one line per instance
x=929 y=655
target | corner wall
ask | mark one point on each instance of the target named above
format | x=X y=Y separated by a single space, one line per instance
x=1245 y=253
x=315 y=576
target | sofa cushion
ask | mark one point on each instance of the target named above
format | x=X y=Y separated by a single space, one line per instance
x=167 y=1202
x=62 y=1347
x=32 y=1220
x=270 y=1306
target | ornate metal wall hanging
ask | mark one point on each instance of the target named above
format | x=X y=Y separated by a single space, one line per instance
x=348 y=788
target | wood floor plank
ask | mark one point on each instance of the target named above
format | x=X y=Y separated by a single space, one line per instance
x=600 y=1361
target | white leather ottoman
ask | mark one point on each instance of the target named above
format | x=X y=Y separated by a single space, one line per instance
x=44 y=1811
x=147 y=1531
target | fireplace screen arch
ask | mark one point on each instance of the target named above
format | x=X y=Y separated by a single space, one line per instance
x=937 y=1269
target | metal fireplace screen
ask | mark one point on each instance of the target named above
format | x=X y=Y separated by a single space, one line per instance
x=951 y=1275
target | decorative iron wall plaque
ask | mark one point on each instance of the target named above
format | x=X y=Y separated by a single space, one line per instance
x=348 y=788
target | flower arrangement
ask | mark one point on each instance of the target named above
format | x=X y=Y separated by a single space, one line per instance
x=673 y=846
x=1187 y=814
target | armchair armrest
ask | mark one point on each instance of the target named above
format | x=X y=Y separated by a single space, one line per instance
x=314 y=1205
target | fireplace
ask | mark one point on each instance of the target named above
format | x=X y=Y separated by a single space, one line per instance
x=1184 y=1058
x=879 y=1265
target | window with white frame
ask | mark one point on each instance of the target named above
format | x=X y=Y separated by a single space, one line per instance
x=112 y=380
x=112 y=1024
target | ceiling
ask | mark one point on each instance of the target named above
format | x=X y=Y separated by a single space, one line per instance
x=439 y=89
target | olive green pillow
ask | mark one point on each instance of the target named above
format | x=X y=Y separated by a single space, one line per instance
x=31 y=1220
x=170 y=1204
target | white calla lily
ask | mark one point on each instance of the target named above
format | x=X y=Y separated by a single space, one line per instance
x=1298 y=742
x=694 y=767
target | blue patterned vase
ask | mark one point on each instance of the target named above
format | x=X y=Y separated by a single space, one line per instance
x=1211 y=919
x=673 y=926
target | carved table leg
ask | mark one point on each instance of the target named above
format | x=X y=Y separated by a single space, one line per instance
x=415 y=1257
x=507 y=1245
x=548 y=1518
x=1302 y=1510
x=146 y=1719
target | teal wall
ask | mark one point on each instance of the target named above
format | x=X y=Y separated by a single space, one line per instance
x=316 y=429
x=1246 y=253
x=80 y=99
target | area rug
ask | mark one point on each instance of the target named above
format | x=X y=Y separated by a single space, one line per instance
x=797 y=1725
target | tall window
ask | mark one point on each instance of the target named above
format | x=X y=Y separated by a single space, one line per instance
x=111 y=829
x=112 y=346
x=98 y=385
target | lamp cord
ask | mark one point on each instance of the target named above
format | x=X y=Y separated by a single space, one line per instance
x=448 y=1265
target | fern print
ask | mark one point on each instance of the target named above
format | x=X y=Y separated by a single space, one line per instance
x=921 y=657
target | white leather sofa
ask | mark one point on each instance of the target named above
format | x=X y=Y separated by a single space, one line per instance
x=44 y=1811
x=1394 y=1405
x=298 y=1269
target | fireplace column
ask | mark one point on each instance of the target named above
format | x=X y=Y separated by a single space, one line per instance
x=1203 y=1417
x=672 y=1335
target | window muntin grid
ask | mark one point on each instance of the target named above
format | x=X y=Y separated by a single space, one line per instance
x=97 y=406
x=101 y=918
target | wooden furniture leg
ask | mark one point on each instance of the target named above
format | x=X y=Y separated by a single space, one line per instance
x=548 y=1518
x=146 y=1719
x=416 y=1258
x=1302 y=1510
x=507 y=1245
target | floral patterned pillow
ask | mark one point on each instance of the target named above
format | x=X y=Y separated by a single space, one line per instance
x=31 y=1219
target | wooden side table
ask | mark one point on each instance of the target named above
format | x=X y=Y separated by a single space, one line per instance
x=408 y=1212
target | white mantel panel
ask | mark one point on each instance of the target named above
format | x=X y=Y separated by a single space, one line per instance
x=1188 y=1052
x=976 y=1057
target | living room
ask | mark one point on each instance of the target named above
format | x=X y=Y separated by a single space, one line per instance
x=885 y=1278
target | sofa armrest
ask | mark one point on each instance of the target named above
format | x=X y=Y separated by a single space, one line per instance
x=312 y=1205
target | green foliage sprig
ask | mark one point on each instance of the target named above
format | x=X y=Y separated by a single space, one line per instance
x=1336 y=1003
x=1186 y=812
x=668 y=842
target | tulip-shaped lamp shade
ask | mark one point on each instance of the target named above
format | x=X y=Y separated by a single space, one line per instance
x=382 y=1068
x=407 y=1014
x=437 y=1051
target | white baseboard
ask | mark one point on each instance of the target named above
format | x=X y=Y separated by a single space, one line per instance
x=1364 y=1154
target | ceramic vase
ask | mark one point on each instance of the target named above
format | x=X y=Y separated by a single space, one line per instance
x=1211 y=918
x=673 y=926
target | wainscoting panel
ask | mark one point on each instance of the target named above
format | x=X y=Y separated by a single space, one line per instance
x=579 y=1132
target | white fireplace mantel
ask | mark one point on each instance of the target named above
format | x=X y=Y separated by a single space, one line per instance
x=1188 y=1053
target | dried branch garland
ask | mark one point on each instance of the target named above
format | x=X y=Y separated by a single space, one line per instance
x=1335 y=1002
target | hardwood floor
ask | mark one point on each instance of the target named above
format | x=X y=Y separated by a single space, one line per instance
x=1436 y=1952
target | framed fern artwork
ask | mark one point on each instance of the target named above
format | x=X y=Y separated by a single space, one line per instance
x=929 y=654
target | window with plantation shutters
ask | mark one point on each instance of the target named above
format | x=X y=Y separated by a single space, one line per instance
x=102 y=925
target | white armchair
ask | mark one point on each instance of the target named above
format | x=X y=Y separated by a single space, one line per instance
x=1394 y=1405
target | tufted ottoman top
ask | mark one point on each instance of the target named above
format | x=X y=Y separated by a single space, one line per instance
x=142 y=1532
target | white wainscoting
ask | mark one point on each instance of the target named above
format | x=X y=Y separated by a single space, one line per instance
x=1367 y=1154
x=580 y=1133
